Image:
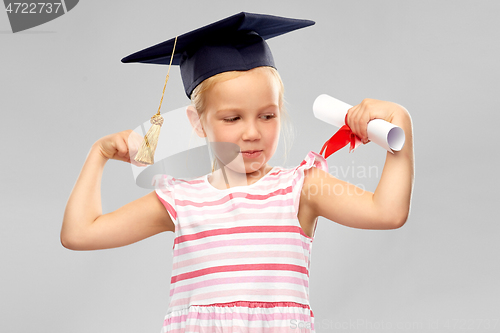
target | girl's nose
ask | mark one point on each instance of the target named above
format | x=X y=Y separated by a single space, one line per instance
x=251 y=131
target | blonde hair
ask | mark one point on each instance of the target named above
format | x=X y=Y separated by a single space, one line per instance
x=198 y=100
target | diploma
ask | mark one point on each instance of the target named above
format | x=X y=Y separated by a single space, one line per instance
x=383 y=133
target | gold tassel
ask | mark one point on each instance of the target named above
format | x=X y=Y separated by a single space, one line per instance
x=146 y=152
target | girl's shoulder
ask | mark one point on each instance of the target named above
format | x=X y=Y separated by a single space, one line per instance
x=307 y=169
x=312 y=160
x=166 y=182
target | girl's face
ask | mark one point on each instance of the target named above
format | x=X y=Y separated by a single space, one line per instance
x=244 y=112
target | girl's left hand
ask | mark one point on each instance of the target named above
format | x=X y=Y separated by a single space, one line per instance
x=360 y=115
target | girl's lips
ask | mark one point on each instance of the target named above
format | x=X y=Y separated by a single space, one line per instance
x=255 y=153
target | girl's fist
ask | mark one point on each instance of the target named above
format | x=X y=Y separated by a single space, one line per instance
x=122 y=146
x=360 y=115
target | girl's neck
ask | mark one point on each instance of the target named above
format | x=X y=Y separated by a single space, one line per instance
x=225 y=178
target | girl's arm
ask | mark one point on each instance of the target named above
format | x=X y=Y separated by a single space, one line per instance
x=86 y=228
x=388 y=207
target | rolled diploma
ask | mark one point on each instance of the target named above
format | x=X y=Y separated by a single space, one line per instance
x=383 y=133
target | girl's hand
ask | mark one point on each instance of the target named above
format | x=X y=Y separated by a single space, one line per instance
x=360 y=115
x=121 y=146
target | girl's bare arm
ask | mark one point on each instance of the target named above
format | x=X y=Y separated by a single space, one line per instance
x=388 y=207
x=86 y=228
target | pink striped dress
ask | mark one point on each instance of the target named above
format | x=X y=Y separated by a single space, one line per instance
x=240 y=257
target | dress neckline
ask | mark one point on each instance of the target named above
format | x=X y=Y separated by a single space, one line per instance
x=205 y=178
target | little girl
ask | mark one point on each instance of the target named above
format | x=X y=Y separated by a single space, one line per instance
x=244 y=233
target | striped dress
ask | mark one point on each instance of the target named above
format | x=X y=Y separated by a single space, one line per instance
x=240 y=257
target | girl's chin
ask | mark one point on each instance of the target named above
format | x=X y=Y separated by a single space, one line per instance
x=248 y=167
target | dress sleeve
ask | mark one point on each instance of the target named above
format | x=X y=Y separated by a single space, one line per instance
x=164 y=188
x=311 y=160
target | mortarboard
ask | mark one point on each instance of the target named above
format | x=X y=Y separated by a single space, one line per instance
x=236 y=43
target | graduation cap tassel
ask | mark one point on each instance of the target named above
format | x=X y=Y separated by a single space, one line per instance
x=146 y=152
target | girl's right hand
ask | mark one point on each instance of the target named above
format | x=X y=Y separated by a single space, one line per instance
x=121 y=146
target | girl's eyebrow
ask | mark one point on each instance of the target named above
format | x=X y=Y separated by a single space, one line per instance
x=227 y=110
x=273 y=105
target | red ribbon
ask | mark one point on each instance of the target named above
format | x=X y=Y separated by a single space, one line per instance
x=340 y=139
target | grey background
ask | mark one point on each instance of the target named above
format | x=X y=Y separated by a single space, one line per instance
x=63 y=87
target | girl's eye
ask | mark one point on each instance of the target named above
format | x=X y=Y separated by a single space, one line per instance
x=266 y=117
x=269 y=116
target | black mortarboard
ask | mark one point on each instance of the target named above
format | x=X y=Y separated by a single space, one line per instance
x=236 y=43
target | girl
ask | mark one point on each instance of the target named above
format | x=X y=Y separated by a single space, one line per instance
x=244 y=232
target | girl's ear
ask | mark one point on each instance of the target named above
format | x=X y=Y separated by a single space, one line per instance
x=195 y=121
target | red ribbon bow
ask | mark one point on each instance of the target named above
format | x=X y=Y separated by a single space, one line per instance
x=340 y=139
